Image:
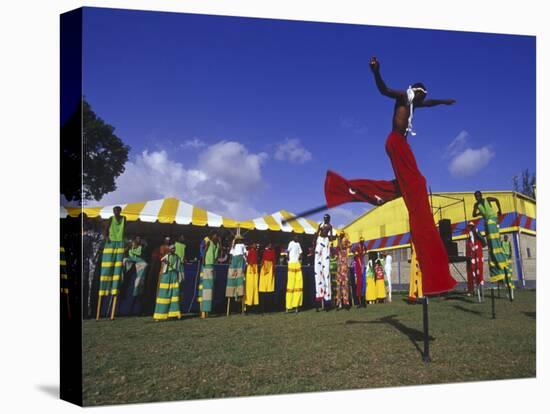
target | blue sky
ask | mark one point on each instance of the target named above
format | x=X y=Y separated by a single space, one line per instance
x=244 y=116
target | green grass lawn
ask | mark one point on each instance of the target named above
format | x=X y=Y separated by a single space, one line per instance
x=135 y=359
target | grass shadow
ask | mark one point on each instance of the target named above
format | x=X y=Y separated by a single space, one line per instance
x=463 y=309
x=414 y=335
x=532 y=315
x=460 y=297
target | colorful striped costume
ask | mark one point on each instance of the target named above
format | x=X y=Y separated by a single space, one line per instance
x=134 y=259
x=498 y=263
x=111 y=261
x=207 y=276
x=507 y=248
x=251 y=279
x=235 y=275
x=63 y=271
x=168 y=295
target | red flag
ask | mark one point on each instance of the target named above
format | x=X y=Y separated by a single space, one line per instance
x=338 y=190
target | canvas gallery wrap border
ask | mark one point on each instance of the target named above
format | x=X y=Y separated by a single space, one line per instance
x=260 y=206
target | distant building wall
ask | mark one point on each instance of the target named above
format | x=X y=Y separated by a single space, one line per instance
x=401 y=266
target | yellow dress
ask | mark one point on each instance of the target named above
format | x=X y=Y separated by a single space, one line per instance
x=251 y=289
x=294 y=286
x=380 y=285
x=370 y=294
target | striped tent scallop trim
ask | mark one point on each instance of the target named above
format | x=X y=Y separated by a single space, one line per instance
x=172 y=210
x=167 y=210
x=508 y=222
x=274 y=222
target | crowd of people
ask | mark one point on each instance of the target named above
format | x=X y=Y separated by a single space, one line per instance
x=346 y=275
x=354 y=276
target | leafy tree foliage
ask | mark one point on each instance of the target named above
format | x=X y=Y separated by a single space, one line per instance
x=525 y=184
x=90 y=146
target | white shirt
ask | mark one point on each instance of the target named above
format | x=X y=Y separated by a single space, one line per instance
x=238 y=250
x=294 y=251
x=387 y=266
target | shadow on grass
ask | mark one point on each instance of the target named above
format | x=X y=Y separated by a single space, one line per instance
x=460 y=297
x=530 y=314
x=414 y=335
x=463 y=309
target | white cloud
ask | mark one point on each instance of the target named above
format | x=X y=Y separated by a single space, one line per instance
x=354 y=125
x=465 y=160
x=293 y=151
x=457 y=145
x=225 y=180
x=194 y=143
x=470 y=161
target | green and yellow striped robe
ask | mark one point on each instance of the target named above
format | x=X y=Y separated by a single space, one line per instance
x=111 y=262
x=498 y=262
x=207 y=276
x=168 y=295
x=111 y=268
x=63 y=271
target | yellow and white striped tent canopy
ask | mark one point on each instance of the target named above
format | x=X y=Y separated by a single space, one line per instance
x=171 y=210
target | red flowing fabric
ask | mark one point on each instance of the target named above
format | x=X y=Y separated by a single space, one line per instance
x=338 y=190
x=411 y=185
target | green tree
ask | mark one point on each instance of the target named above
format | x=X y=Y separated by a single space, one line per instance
x=103 y=156
x=525 y=183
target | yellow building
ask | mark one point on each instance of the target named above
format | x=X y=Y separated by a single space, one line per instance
x=387 y=228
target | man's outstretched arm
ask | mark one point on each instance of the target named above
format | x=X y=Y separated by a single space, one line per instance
x=380 y=84
x=434 y=102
